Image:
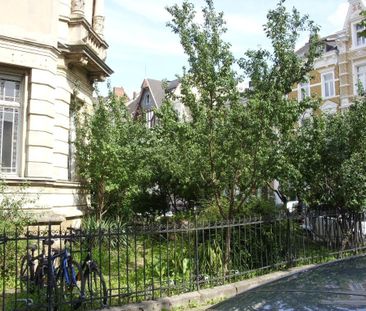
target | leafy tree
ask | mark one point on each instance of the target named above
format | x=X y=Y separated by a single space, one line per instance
x=110 y=154
x=329 y=153
x=273 y=76
x=171 y=161
x=232 y=139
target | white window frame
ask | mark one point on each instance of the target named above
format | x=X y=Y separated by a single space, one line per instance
x=149 y=117
x=21 y=109
x=355 y=77
x=355 y=32
x=303 y=86
x=332 y=84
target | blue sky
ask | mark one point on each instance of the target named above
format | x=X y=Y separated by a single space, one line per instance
x=140 y=44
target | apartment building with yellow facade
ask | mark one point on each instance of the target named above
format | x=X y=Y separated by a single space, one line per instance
x=341 y=69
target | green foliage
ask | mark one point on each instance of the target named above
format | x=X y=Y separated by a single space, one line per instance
x=363 y=23
x=261 y=207
x=172 y=172
x=329 y=155
x=108 y=152
x=12 y=203
x=98 y=231
x=273 y=75
x=232 y=140
x=150 y=204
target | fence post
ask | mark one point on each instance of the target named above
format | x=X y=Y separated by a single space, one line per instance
x=196 y=257
x=50 y=285
x=288 y=241
x=3 y=267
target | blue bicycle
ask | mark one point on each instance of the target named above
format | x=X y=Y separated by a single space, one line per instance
x=62 y=283
x=69 y=280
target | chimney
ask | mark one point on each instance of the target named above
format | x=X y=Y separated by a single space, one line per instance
x=134 y=95
x=120 y=92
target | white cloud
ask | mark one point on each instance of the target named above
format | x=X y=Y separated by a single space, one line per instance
x=243 y=24
x=150 y=40
x=151 y=10
x=336 y=19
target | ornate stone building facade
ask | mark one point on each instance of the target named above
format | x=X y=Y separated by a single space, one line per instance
x=48 y=50
x=341 y=69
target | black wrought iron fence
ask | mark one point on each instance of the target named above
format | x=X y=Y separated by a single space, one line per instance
x=76 y=269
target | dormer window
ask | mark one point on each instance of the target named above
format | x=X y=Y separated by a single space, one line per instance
x=360 y=39
x=147 y=99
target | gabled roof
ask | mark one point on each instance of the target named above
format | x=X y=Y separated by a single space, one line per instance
x=328 y=42
x=132 y=104
x=157 y=91
x=355 y=7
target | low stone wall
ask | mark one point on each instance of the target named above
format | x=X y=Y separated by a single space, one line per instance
x=206 y=296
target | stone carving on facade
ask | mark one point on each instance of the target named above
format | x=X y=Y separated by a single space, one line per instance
x=77 y=6
x=356 y=7
x=98 y=25
x=342 y=44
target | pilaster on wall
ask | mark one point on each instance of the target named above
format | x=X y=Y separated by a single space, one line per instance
x=98 y=18
x=40 y=116
x=62 y=126
x=345 y=78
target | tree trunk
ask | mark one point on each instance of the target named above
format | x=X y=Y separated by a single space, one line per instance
x=227 y=258
x=101 y=200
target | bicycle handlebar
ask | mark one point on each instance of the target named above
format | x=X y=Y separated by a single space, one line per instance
x=3 y=239
x=76 y=230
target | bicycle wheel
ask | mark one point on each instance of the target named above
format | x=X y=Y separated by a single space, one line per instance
x=26 y=274
x=69 y=286
x=95 y=287
x=44 y=284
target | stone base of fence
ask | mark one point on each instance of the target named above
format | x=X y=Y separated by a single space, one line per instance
x=206 y=296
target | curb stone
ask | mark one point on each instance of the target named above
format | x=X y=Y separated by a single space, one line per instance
x=205 y=295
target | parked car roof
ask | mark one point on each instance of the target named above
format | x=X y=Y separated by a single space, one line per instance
x=340 y=285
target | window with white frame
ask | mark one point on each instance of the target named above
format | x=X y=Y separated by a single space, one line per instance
x=328 y=88
x=149 y=118
x=360 y=39
x=10 y=113
x=360 y=85
x=303 y=90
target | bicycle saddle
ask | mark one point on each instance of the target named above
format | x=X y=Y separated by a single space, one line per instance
x=48 y=242
x=32 y=247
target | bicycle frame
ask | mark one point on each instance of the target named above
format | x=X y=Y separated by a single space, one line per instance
x=65 y=259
